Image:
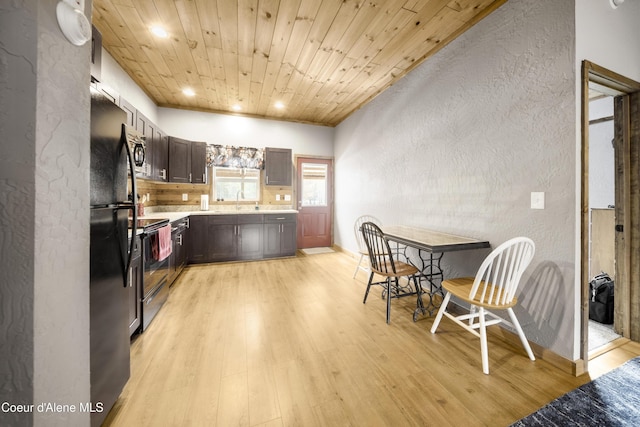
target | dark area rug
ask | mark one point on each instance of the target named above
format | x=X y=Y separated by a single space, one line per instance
x=610 y=400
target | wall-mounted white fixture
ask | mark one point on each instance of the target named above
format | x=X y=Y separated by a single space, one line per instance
x=74 y=25
x=537 y=200
x=615 y=3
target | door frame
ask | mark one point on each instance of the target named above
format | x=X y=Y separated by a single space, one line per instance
x=331 y=192
x=592 y=73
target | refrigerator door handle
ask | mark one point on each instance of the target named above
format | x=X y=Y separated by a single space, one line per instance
x=134 y=194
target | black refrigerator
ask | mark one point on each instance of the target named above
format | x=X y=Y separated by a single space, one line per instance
x=110 y=255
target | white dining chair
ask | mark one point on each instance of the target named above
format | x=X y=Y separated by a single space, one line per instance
x=493 y=288
x=362 y=246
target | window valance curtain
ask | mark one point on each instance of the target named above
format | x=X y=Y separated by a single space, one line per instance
x=235 y=157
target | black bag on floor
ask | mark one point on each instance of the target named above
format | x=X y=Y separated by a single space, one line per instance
x=601 y=298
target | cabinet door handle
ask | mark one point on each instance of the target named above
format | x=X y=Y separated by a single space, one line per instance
x=267 y=178
x=190 y=180
x=163 y=174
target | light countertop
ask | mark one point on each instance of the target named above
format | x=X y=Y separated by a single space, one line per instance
x=176 y=215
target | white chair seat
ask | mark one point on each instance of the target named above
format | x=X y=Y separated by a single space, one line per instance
x=493 y=288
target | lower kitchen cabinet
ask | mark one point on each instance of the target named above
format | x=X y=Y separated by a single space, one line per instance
x=279 y=235
x=237 y=237
x=198 y=239
x=178 y=257
x=135 y=287
x=250 y=240
x=222 y=236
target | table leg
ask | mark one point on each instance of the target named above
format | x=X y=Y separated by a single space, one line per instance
x=430 y=273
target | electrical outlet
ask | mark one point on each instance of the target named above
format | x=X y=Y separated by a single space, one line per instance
x=287 y=197
x=185 y=197
x=277 y=197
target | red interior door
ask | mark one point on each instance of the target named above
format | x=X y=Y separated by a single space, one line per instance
x=315 y=202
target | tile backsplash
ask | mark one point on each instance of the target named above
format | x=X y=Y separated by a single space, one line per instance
x=171 y=194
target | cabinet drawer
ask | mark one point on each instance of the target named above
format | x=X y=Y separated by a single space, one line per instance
x=288 y=217
x=223 y=219
x=250 y=219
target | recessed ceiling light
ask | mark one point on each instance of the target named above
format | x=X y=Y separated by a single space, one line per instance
x=188 y=91
x=279 y=105
x=159 y=32
x=236 y=107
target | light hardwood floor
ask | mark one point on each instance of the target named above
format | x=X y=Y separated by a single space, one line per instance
x=289 y=343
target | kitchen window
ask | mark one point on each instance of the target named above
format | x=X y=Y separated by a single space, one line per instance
x=227 y=182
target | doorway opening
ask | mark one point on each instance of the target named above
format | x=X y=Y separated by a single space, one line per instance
x=619 y=221
x=601 y=208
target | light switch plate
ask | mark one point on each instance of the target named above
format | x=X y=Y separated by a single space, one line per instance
x=185 y=197
x=277 y=197
x=287 y=197
x=537 y=200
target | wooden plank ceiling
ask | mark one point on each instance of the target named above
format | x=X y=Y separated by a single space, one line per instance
x=322 y=59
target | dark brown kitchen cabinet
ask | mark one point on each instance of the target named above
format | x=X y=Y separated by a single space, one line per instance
x=135 y=287
x=179 y=160
x=278 y=166
x=249 y=236
x=198 y=239
x=147 y=129
x=160 y=161
x=279 y=235
x=187 y=161
x=232 y=237
x=223 y=242
x=130 y=110
x=96 y=54
x=235 y=237
x=179 y=240
x=198 y=162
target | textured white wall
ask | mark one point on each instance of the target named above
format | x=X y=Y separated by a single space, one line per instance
x=61 y=330
x=114 y=76
x=460 y=143
x=246 y=131
x=609 y=37
x=601 y=155
x=17 y=205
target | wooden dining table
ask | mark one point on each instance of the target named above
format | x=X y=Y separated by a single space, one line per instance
x=431 y=245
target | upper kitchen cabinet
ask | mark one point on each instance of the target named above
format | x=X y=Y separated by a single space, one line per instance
x=160 y=161
x=179 y=160
x=147 y=129
x=96 y=54
x=198 y=162
x=130 y=110
x=278 y=166
x=187 y=161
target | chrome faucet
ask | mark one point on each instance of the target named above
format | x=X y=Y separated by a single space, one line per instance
x=238 y=194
